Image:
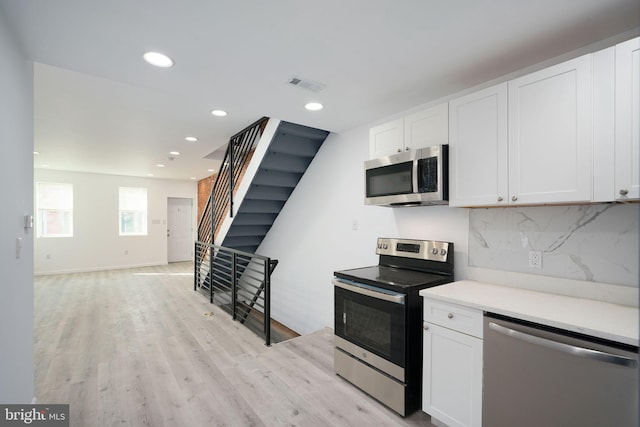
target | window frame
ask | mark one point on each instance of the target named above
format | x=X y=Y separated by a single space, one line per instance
x=41 y=228
x=129 y=211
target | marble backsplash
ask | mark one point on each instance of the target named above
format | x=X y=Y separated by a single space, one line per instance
x=597 y=243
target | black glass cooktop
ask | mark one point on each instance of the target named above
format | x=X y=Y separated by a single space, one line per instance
x=392 y=278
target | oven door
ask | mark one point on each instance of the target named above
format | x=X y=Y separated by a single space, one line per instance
x=371 y=318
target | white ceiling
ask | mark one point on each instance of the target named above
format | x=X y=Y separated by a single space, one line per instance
x=100 y=108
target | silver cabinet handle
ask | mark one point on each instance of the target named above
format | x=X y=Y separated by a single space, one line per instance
x=624 y=192
x=426 y=327
x=399 y=150
x=500 y=198
x=407 y=148
x=586 y=353
x=514 y=198
x=450 y=315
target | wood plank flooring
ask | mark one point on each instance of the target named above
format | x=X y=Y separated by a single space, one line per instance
x=133 y=348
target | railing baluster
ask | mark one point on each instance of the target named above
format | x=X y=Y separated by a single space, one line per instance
x=196 y=269
x=267 y=301
x=211 y=274
x=234 y=284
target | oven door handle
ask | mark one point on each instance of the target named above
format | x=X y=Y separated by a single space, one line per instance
x=397 y=299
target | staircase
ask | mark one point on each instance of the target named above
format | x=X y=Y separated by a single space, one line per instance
x=289 y=154
x=262 y=166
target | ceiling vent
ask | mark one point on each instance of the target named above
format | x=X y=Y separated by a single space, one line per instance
x=307 y=84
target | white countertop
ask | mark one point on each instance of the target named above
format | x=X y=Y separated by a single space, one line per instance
x=596 y=318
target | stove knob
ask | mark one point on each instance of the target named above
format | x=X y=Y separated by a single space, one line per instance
x=385 y=246
x=434 y=251
x=443 y=252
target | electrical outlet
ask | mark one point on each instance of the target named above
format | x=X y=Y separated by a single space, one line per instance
x=535 y=259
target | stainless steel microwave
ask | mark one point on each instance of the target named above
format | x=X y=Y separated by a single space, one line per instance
x=413 y=178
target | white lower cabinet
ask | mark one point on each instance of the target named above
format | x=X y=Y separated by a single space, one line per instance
x=452 y=364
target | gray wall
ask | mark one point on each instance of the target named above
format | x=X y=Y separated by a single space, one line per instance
x=16 y=194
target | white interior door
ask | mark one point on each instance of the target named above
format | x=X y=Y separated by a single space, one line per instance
x=179 y=229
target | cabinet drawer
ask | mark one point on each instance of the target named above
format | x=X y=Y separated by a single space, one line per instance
x=456 y=317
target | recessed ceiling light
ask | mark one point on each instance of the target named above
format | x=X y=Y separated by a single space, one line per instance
x=191 y=139
x=160 y=165
x=36 y=152
x=211 y=170
x=314 y=106
x=219 y=113
x=174 y=153
x=193 y=177
x=158 y=59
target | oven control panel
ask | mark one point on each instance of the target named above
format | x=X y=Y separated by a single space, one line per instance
x=409 y=248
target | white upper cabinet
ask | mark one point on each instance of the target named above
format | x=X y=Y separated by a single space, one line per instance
x=422 y=129
x=386 y=139
x=527 y=141
x=478 y=148
x=627 y=120
x=550 y=134
x=427 y=128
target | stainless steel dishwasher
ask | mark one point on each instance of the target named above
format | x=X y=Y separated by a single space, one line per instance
x=542 y=377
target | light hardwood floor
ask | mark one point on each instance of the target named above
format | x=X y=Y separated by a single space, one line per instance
x=133 y=347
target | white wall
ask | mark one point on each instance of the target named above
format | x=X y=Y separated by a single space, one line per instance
x=313 y=236
x=16 y=194
x=96 y=244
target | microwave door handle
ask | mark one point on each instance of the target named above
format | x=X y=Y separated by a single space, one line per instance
x=414 y=176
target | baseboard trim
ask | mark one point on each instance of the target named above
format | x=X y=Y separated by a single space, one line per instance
x=93 y=269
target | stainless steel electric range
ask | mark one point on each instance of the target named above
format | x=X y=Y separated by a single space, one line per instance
x=378 y=319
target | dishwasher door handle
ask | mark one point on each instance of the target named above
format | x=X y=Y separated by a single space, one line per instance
x=566 y=348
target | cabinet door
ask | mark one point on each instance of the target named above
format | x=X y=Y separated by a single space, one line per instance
x=627 y=141
x=427 y=128
x=452 y=376
x=550 y=131
x=478 y=148
x=386 y=139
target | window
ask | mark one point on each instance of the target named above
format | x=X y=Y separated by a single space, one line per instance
x=133 y=211
x=54 y=214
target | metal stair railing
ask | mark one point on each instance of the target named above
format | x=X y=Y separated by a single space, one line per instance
x=239 y=282
x=220 y=201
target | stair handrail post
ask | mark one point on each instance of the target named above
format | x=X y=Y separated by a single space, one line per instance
x=234 y=284
x=211 y=275
x=196 y=272
x=213 y=215
x=231 y=167
x=267 y=302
